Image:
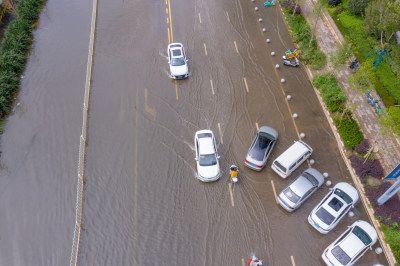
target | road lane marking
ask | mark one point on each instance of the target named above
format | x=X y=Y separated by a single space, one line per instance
x=237 y=51
x=166 y=11
x=245 y=83
x=212 y=87
x=273 y=188
x=170 y=19
x=227 y=16
x=167 y=20
x=258 y=128
x=220 y=133
x=169 y=36
x=148 y=109
x=294 y=264
x=243 y=263
x=205 y=49
x=176 y=90
x=166 y=2
x=231 y=193
x=199 y=18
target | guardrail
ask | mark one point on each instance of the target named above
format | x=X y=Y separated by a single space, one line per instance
x=82 y=143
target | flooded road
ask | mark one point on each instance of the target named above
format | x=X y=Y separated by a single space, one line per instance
x=142 y=202
x=41 y=141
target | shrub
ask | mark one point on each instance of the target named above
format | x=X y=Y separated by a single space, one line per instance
x=370 y=167
x=350 y=133
x=392 y=236
x=339 y=10
x=291 y=4
x=334 y=2
x=357 y=7
x=362 y=147
x=331 y=92
x=14 y=48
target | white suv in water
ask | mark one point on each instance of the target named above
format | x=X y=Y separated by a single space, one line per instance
x=177 y=61
x=206 y=156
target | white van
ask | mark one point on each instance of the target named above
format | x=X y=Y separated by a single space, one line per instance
x=288 y=161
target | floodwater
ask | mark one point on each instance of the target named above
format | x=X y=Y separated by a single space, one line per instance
x=142 y=202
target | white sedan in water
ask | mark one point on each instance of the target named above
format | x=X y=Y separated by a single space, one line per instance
x=208 y=169
x=333 y=207
x=351 y=245
x=177 y=61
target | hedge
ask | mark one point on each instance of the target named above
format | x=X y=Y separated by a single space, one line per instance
x=14 y=50
x=301 y=34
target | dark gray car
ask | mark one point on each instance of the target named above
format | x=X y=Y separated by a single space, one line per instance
x=300 y=189
x=261 y=148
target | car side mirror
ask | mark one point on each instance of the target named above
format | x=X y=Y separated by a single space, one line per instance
x=196 y=159
x=330 y=189
x=187 y=60
x=218 y=156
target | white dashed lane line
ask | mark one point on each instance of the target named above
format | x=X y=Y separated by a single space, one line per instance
x=212 y=87
x=245 y=84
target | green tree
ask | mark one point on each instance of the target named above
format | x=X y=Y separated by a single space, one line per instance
x=316 y=14
x=340 y=56
x=357 y=6
x=383 y=19
x=361 y=78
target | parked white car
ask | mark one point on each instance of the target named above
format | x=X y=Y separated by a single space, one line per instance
x=177 y=61
x=208 y=169
x=333 y=207
x=351 y=245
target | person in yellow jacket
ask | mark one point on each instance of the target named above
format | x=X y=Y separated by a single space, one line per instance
x=234 y=172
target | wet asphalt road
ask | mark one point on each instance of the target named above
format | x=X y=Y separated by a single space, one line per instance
x=142 y=201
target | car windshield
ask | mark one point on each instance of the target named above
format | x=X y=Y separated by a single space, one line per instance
x=335 y=204
x=311 y=178
x=340 y=255
x=208 y=160
x=180 y=61
x=362 y=235
x=277 y=164
x=343 y=195
x=260 y=147
x=325 y=216
x=293 y=197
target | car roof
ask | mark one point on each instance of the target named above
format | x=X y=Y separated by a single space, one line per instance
x=301 y=185
x=290 y=156
x=351 y=245
x=206 y=145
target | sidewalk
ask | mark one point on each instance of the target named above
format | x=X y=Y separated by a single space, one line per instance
x=386 y=147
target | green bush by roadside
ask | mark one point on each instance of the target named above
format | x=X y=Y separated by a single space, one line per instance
x=335 y=100
x=301 y=34
x=350 y=132
x=392 y=236
x=14 y=50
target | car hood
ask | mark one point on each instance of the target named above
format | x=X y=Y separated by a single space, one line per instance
x=208 y=171
x=179 y=70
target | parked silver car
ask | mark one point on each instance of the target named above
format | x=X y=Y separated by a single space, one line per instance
x=261 y=148
x=300 y=189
